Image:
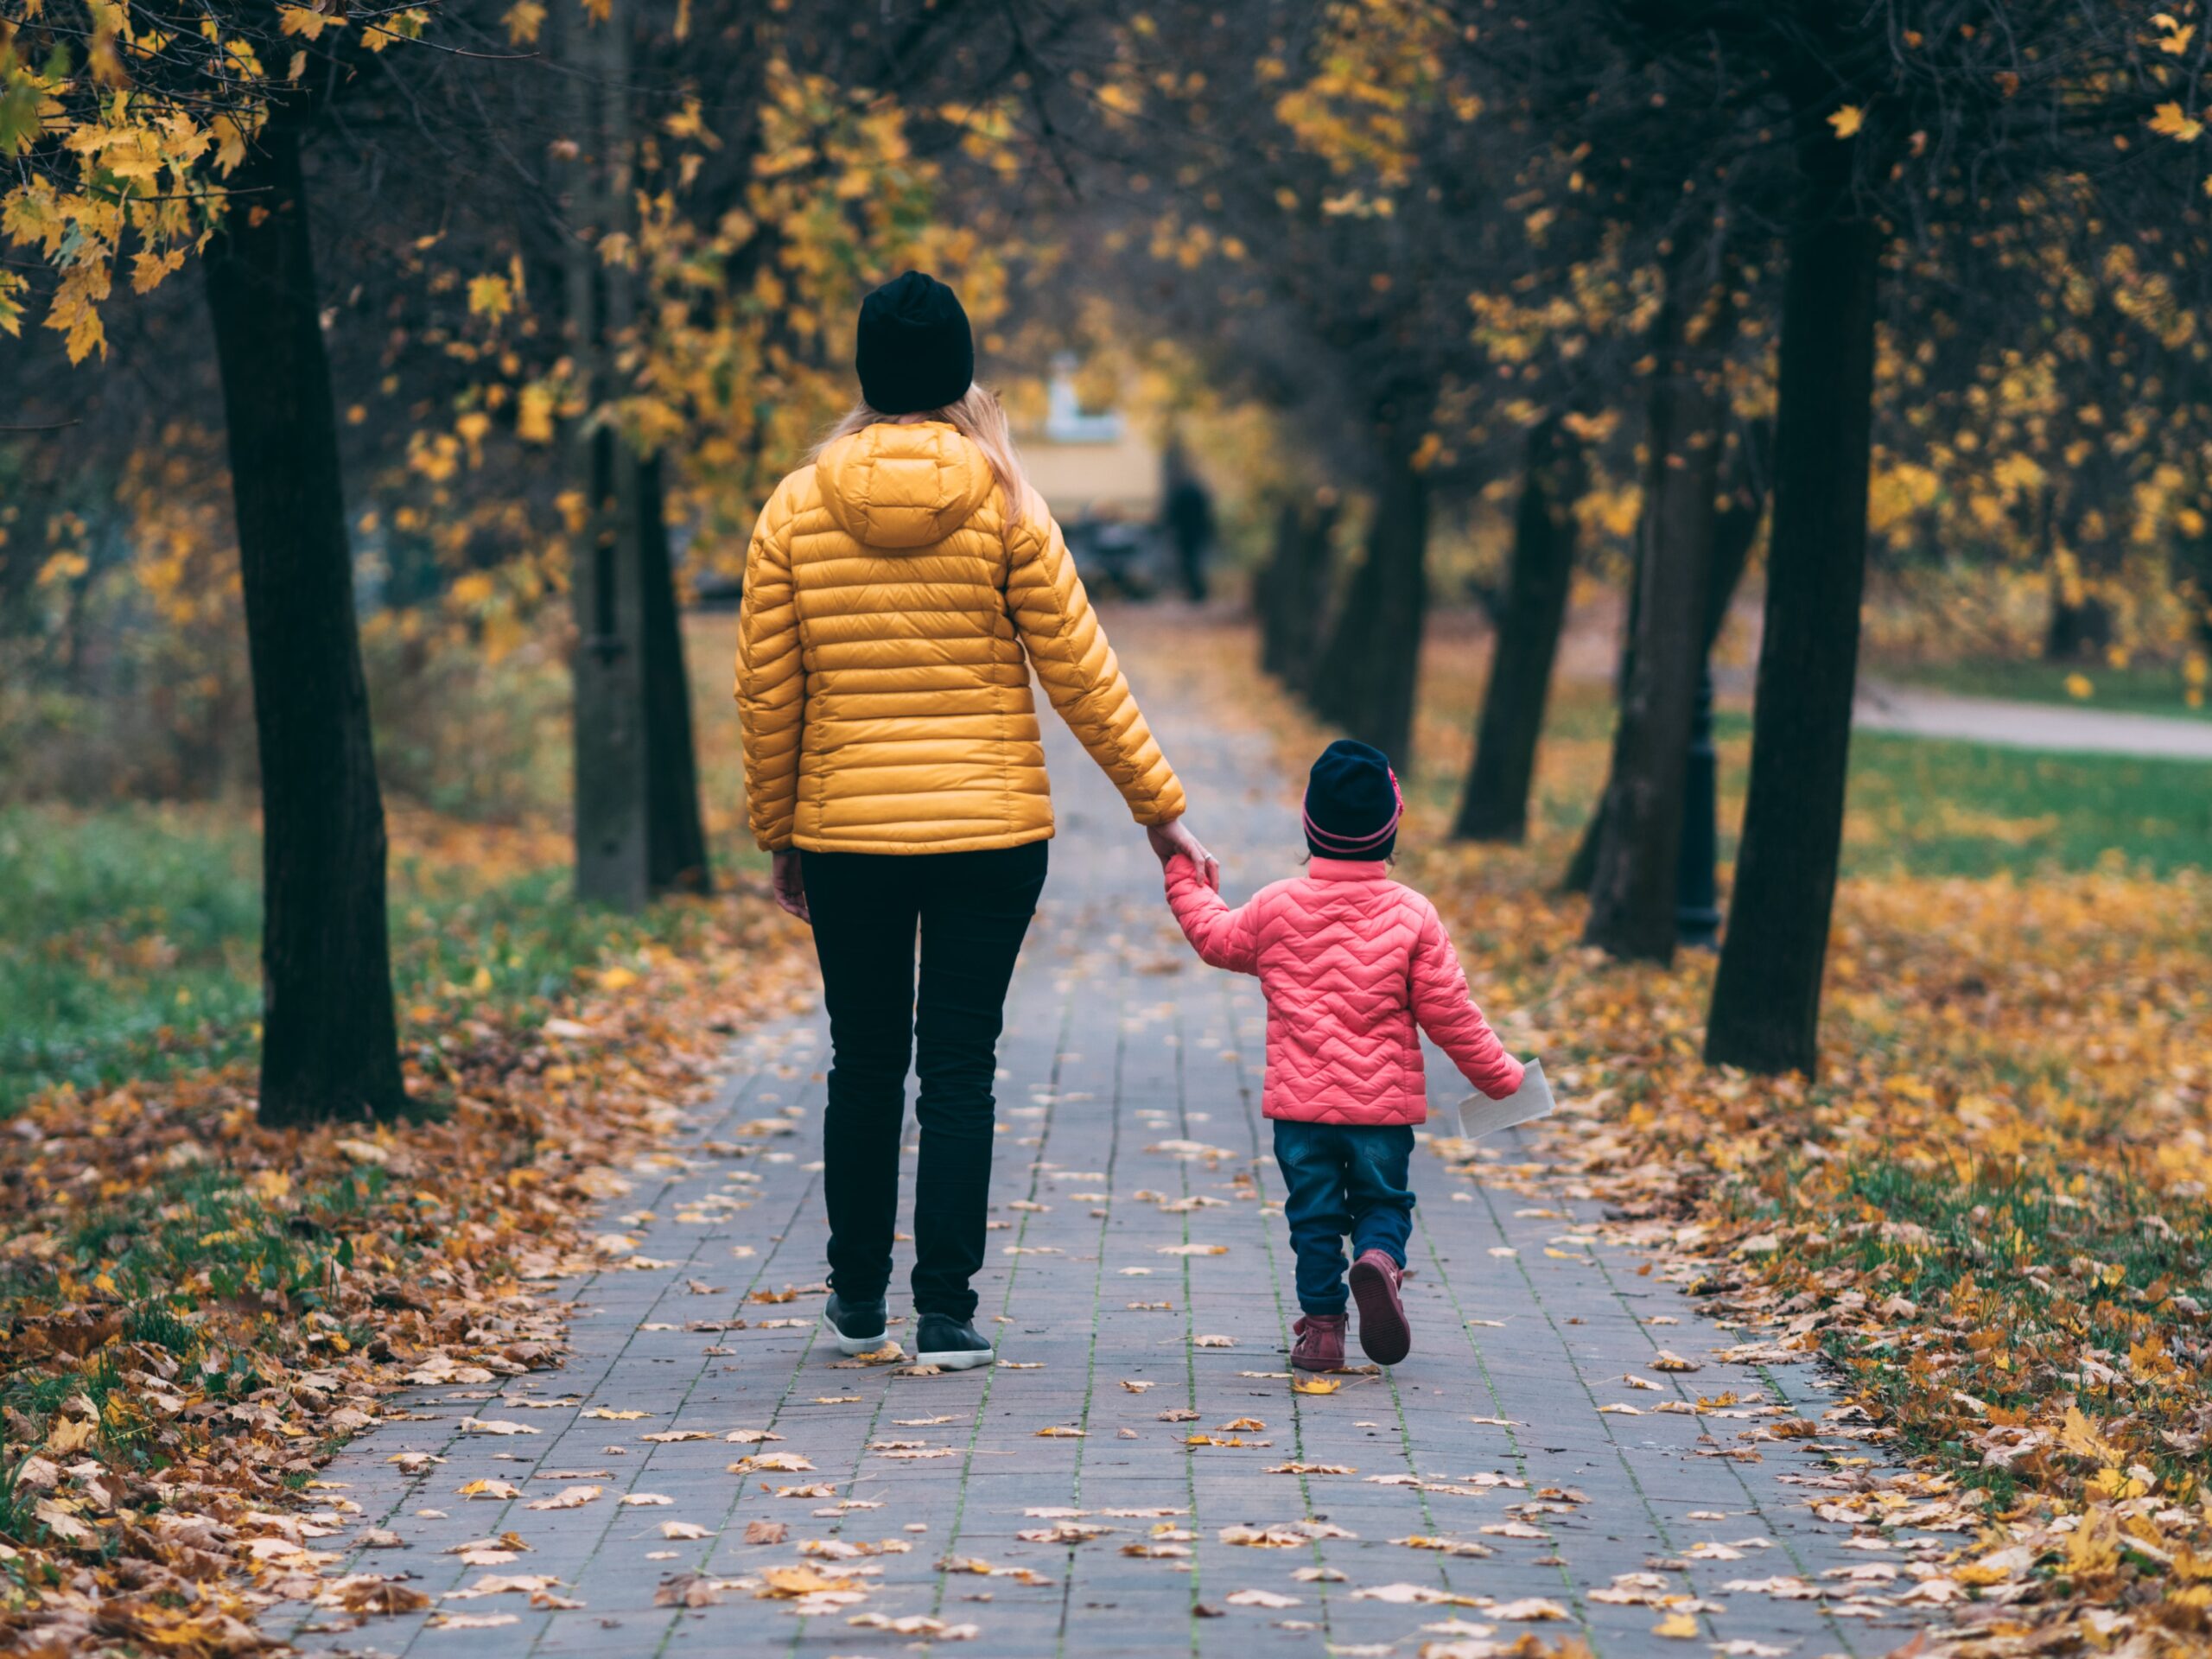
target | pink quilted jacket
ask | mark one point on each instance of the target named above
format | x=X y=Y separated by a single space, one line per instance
x=1349 y=960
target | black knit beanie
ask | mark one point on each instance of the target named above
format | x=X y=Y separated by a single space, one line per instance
x=915 y=350
x=1352 y=804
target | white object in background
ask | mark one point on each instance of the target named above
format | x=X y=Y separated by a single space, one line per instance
x=1478 y=1114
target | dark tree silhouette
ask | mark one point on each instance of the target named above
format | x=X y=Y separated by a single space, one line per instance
x=329 y=1038
x=1527 y=618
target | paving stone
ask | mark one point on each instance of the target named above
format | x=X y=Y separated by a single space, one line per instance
x=1118 y=1044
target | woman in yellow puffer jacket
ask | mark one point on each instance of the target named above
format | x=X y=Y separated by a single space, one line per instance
x=898 y=592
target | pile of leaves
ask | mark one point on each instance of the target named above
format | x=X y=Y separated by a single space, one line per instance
x=1989 y=1213
x=195 y=1313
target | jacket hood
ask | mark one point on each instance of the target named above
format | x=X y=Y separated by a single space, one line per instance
x=889 y=486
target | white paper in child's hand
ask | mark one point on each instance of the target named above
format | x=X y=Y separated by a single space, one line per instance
x=1478 y=1114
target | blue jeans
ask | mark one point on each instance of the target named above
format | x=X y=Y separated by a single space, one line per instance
x=1340 y=1178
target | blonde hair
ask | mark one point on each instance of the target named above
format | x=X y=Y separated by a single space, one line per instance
x=977 y=416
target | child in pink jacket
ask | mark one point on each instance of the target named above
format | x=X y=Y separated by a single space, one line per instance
x=1351 y=963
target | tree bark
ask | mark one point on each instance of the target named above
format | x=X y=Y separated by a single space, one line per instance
x=1736 y=528
x=1270 y=586
x=612 y=819
x=1366 y=678
x=330 y=1044
x=2192 y=571
x=2080 y=628
x=1495 y=804
x=675 y=836
x=1293 y=588
x=1697 y=887
x=1632 y=890
x=1582 y=868
x=1735 y=533
x=1766 y=997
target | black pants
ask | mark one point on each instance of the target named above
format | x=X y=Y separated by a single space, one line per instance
x=971 y=910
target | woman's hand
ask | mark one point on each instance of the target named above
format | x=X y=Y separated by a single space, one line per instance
x=790 y=885
x=1174 y=836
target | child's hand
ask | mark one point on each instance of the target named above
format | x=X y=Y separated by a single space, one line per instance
x=1173 y=837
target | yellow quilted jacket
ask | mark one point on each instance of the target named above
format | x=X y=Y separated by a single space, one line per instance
x=882 y=683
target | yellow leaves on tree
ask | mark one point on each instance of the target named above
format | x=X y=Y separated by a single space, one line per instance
x=300 y=20
x=524 y=19
x=148 y=269
x=534 y=408
x=1378 y=67
x=115 y=163
x=491 y=297
x=75 y=310
x=2169 y=120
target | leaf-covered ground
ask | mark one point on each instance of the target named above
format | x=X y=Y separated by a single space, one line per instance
x=195 y=1312
x=1990 y=1208
x=1989 y=1212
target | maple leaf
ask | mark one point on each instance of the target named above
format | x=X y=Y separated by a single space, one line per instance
x=568 y=1497
x=2169 y=120
x=490 y=297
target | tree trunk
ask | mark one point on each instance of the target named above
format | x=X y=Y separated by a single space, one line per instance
x=2192 y=571
x=1337 y=689
x=2080 y=625
x=612 y=820
x=1293 y=590
x=1632 y=890
x=330 y=1045
x=1270 y=585
x=1766 y=997
x=1736 y=528
x=675 y=836
x=2080 y=628
x=1697 y=887
x=1305 y=594
x=1495 y=806
x=1366 y=678
x=1735 y=533
x=1582 y=868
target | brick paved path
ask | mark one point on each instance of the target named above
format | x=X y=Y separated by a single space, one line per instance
x=1130 y=1130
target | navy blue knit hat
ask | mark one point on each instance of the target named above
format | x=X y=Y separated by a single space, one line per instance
x=1352 y=803
x=915 y=351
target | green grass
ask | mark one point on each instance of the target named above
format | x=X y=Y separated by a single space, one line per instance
x=130 y=944
x=145 y=1251
x=2033 y=1266
x=1925 y=806
x=2144 y=688
x=1929 y=806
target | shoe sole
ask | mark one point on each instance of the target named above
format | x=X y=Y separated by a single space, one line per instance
x=855 y=1344
x=957 y=1359
x=1384 y=1336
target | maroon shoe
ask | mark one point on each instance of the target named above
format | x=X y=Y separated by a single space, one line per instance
x=1384 y=1336
x=1320 y=1344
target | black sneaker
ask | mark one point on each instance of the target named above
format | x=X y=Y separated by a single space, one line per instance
x=951 y=1344
x=858 y=1326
